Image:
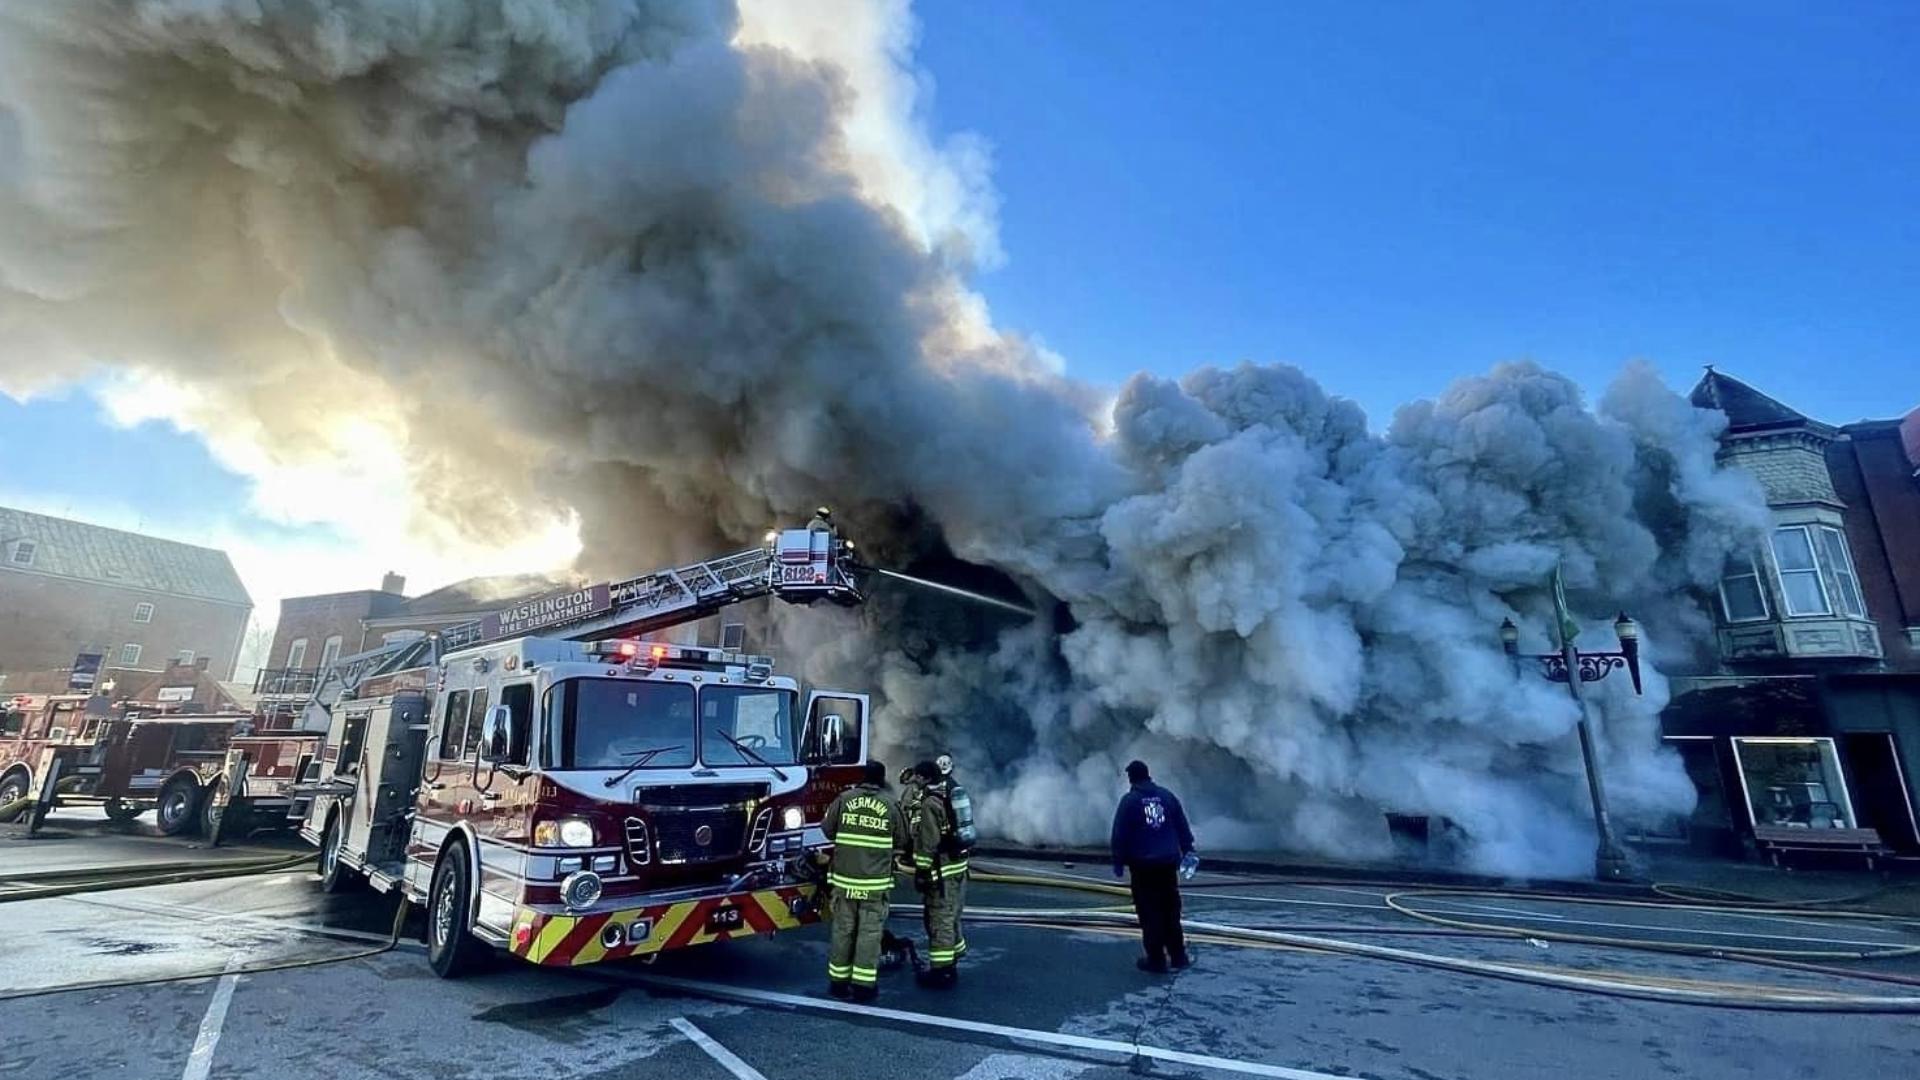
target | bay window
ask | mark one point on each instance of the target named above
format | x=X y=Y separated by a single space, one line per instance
x=1846 y=583
x=1801 y=589
x=1741 y=597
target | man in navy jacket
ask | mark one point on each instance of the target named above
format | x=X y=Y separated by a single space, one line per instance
x=1150 y=835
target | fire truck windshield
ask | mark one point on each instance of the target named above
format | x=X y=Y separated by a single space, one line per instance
x=747 y=725
x=607 y=723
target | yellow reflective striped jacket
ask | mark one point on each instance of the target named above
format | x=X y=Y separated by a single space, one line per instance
x=866 y=827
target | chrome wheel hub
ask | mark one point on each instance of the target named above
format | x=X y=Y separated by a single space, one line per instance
x=443 y=914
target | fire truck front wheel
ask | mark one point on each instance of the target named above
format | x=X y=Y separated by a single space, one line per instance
x=176 y=810
x=451 y=950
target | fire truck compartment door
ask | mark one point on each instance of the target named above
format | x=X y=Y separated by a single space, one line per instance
x=836 y=731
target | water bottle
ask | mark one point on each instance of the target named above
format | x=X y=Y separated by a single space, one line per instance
x=1189 y=865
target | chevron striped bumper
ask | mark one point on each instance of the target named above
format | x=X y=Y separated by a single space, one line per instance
x=561 y=940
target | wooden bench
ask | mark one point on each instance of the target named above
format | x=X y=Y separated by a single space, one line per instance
x=1777 y=840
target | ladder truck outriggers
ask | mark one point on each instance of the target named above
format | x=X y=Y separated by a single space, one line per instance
x=545 y=782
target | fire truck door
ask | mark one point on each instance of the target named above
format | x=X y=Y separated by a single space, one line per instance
x=447 y=779
x=836 y=729
x=508 y=800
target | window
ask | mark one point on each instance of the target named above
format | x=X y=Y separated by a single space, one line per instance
x=329 y=652
x=1741 y=597
x=23 y=552
x=518 y=698
x=185 y=657
x=741 y=725
x=614 y=723
x=476 y=717
x=1846 y=583
x=12 y=723
x=297 y=654
x=1793 y=783
x=453 y=727
x=129 y=655
x=1800 y=585
x=143 y=613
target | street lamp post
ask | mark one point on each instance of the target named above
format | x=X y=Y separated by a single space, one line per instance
x=1573 y=667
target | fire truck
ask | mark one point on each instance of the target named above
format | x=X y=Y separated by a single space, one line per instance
x=129 y=759
x=547 y=782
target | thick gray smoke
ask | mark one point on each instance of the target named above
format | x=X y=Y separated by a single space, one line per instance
x=631 y=264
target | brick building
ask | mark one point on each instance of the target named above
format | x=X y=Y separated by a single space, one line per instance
x=1808 y=716
x=313 y=631
x=139 y=602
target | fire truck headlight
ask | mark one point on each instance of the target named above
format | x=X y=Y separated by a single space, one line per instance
x=792 y=818
x=580 y=890
x=566 y=832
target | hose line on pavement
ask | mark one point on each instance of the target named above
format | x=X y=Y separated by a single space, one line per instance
x=1618 y=984
x=49 y=884
x=393 y=939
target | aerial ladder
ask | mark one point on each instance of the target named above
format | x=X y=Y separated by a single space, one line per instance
x=800 y=566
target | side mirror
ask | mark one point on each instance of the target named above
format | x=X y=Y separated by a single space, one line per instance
x=833 y=736
x=494 y=748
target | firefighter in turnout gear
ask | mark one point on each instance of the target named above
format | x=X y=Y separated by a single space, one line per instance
x=866 y=827
x=939 y=848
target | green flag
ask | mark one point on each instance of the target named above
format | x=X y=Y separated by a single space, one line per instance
x=1569 y=629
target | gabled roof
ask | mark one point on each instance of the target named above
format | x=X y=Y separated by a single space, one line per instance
x=1747 y=409
x=83 y=552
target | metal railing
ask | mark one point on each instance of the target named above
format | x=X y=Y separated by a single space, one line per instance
x=286 y=681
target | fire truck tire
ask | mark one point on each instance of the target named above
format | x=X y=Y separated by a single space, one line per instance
x=177 y=811
x=120 y=811
x=210 y=814
x=334 y=874
x=451 y=950
x=13 y=788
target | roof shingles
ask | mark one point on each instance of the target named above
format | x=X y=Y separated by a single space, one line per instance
x=74 y=549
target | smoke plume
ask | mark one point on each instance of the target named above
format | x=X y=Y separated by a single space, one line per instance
x=660 y=272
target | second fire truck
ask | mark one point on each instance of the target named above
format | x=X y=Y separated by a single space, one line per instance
x=547 y=783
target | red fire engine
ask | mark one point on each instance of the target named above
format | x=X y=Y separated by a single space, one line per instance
x=581 y=794
x=129 y=759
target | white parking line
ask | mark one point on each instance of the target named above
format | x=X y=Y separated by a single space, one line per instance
x=200 y=1061
x=1015 y=1034
x=728 y=1059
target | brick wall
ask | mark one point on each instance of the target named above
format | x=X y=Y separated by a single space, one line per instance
x=45 y=621
x=317 y=618
x=1791 y=467
x=1874 y=476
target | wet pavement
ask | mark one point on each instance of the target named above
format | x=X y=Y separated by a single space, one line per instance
x=1244 y=1011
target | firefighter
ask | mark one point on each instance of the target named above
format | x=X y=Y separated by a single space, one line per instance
x=1150 y=839
x=939 y=870
x=822 y=521
x=866 y=827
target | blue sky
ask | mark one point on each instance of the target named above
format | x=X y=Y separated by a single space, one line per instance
x=1391 y=195
x=1387 y=195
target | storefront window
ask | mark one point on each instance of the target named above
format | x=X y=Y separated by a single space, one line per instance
x=1794 y=783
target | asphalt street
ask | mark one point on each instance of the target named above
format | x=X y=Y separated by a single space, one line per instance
x=1035 y=1001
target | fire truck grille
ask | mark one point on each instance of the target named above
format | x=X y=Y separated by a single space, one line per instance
x=699 y=835
x=639 y=851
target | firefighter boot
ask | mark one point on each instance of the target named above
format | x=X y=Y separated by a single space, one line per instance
x=841 y=990
x=865 y=992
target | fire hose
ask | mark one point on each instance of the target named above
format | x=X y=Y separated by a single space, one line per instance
x=51 y=884
x=1618 y=984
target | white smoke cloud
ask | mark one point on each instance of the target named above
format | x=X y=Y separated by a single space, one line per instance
x=642 y=277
